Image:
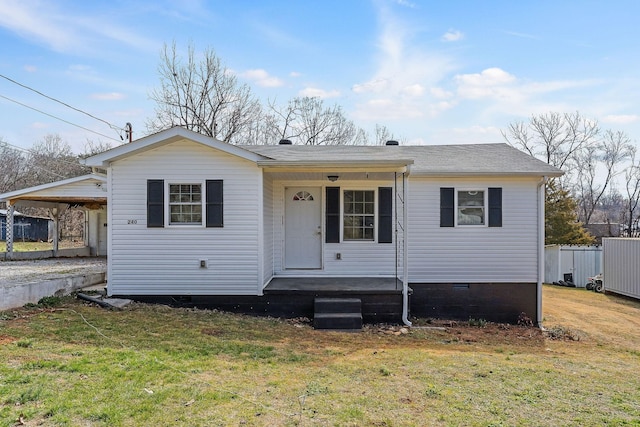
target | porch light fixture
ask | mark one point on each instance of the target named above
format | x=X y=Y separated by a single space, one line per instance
x=332 y=178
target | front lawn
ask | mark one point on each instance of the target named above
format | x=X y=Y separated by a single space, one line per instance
x=77 y=364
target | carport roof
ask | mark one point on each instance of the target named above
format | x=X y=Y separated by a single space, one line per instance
x=81 y=190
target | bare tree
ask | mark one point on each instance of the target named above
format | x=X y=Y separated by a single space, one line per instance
x=13 y=168
x=597 y=166
x=632 y=180
x=92 y=148
x=52 y=159
x=202 y=95
x=307 y=121
x=554 y=137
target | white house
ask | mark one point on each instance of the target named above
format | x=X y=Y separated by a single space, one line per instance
x=450 y=230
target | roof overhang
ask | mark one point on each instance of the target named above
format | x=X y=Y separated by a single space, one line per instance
x=162 y=138
x=453 y=174
x=401 y=166
x=81 y=190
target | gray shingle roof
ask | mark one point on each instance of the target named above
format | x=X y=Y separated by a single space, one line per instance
x=481 y=159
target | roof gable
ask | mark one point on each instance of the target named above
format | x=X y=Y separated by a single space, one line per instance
x=163 y=138
x=79 y=186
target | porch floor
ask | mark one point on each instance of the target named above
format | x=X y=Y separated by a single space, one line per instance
x=342 y=285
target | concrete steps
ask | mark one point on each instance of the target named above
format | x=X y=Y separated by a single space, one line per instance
x=337 y=313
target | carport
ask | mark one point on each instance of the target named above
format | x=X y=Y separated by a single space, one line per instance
x=87 y=192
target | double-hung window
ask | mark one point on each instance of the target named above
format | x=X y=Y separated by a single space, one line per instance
x=359 y=214
x=468 y=206
x=185 y=204
x=354 y=213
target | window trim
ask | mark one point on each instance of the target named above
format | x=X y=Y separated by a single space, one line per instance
x=485 y=207
x=168 y=204
x=374 y=238
x=493 y=210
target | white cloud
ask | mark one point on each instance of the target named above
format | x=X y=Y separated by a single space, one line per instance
x=413 y=90
x=398 y=85
x=30 y=68
x=621 y=119
x=295 y=74
x=319 y=93
x=372 y=86
x=440 y=93
x=406 y=3
x=452 y=36
x=261 y=78
x=63 y=31
x=111 y=96
x=388 y=109
x=490 y=83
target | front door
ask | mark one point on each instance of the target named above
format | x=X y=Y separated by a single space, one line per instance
x=303 y=228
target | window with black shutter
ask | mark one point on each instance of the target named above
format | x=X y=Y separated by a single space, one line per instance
x=332 y=215
x=385 y=215
x=155 y=203
x=214 y=203
x=447 y=207
x=467 y=207
x=495 y=207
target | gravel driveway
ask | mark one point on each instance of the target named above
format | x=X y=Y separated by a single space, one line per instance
x=14 y=272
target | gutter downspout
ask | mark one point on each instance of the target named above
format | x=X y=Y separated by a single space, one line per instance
x=405 y=258
x=541 y=231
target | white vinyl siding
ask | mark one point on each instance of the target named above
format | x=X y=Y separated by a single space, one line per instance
x=88 y=188
x=166 y=261
x=358 y=258
x=268 y=227
x=473 y=254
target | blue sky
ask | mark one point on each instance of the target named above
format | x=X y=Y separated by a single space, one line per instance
x=433 y=72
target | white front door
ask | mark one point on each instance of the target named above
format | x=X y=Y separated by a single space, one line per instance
x=303 y=228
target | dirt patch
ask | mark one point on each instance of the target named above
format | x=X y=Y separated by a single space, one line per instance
x=5 y=339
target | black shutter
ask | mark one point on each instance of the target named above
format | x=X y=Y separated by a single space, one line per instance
x=495 y=207
x=385 y=215
x=214 y=203
x=447 y=207
x=155 y=203
x=332 y=212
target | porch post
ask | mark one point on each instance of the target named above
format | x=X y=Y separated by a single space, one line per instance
x=54 y=214
x=405 y=250
x=10 y=212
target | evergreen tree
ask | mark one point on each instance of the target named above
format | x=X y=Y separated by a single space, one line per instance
x=561 y=221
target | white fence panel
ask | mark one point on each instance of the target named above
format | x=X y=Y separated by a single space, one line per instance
x=579 y=261
x=622 y=266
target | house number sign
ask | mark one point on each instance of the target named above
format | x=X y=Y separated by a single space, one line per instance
x=132 y=221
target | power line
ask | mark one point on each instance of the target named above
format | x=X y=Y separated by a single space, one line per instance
x=26 y=150
x=58 y=118
x=116 y=128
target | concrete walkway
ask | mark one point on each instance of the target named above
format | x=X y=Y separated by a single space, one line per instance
x=23 y=282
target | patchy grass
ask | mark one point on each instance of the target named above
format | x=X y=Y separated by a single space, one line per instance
x=76 y=364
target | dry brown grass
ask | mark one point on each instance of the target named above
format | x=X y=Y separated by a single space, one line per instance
x=153 y=365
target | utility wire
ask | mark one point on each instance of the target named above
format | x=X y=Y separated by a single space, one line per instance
x=116 y=128
x=58 y=118
x=26 y=150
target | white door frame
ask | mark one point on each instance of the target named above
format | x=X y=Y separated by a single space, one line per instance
x=313 y=249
